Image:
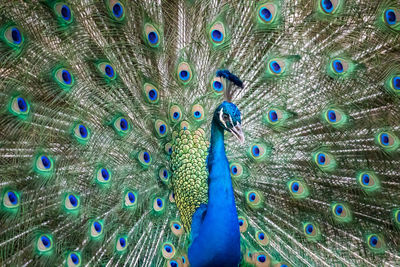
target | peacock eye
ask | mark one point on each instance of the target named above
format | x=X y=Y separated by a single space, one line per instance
x=44 y=243
x=73 y=259
x=121 y=244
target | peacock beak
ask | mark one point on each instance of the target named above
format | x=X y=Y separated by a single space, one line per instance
x=237 y=132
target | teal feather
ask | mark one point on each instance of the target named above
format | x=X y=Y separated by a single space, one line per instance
x=86 y=86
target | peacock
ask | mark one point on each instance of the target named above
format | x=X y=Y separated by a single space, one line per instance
x=200 y=133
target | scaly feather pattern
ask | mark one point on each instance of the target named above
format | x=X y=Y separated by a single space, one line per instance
x=96 y=97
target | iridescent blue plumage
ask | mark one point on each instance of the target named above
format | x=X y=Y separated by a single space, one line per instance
x=215 y=228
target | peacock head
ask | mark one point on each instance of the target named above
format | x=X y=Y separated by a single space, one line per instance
x=227 y=115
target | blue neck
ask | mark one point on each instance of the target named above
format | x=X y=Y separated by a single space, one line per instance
x=217 y=241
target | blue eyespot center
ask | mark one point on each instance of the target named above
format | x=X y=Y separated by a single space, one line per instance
x=97 y=227
x=373 y=241
x=146 y=157
x=295 y=187
x=396 y=83
x=165 y=174
x=153 y=37
x=12 y=197
x=241 y=222
x=46 y=162
x=168 y=248
x=197 y=114
x=398 y=216
x=327 y=5
x=162 y=129
x=217 y=35
x=153 y=94
x=385 y=139
x=265 y=14
x=234 y=169
x=183 y=260
x=123 y=124
x=105 y=174
x=176 y=115
x=275 y=67
x=252 y=197
x=73 y=200
x=365 y=179
x=338 y=66
x=22 y=104
x=118 y=10
x=321 y=158
x=309 y=228
x=122 y=242
x=217 y=86
x=261 y=258
x=83 y=131
x=273 y=116
x=339 y=209
x=16 y=36
x=173 y=264
x=256 y=151
x=332 y=116
x=170 y=151
x=74 y=258
x=45 y=241
x=65 y=12
x=184 y=75
x=131 y=197
x=261 y=236
x=177 y=226
x=159 y=202
x=109 y=71
x=66 y=76
x=390 y=16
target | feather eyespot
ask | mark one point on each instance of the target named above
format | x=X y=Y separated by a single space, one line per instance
x=388 y=141
x=266 y=13
x=177 y=228
x=217 y=85
x=254 y=199
x=96 y=229
x=64 y=78
x=63 y=13
x=151 y=93
x=152 y=35
x=391 y=17
x=71 y=202
x=107 y=71
x=81 y=133
x=144 y=158
x=13 y=37
x=164 y=175
x=175 y=113
x=324 y=160
x=168 y=250
x=44 y=165
x=242 y=224
x=198 y=112
x=217 y=33
x=184 y=73
x=121 y=244
x=298 y=189
x=44 y=244
x=376 y=243
x=368 y=181
x=262 y=238
x=341 y=212
x=121 y=125
x=19 y=107
x=103 y=176
x=161 y=128
x=311 y=231
x=236 y=170
x=116 y=9
x=11 y=200
x=73 y=259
